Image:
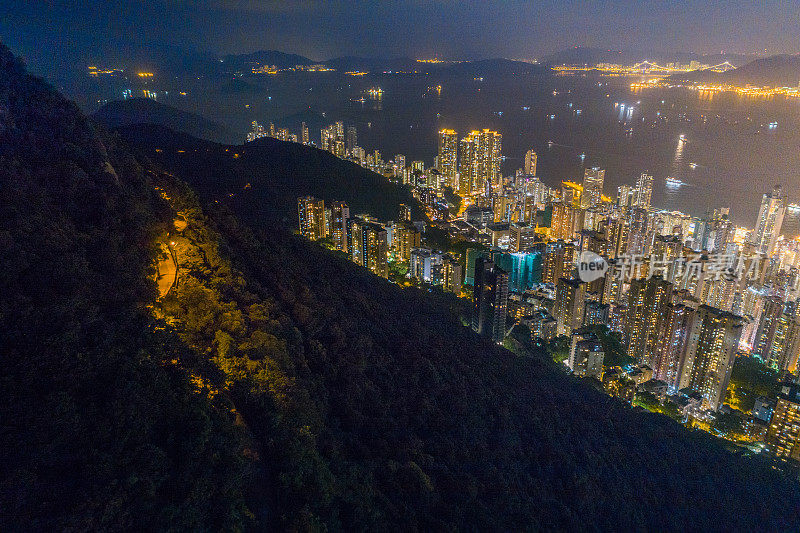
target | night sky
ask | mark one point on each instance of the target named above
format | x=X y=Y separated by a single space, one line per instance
x=54 y=33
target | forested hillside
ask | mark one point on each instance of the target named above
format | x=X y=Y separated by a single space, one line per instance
x=380 y=409
x=276 y=385
x=277 y=173
x=100 y=430
x=133 y=111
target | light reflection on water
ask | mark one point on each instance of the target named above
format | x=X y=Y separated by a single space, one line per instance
x=739 y=158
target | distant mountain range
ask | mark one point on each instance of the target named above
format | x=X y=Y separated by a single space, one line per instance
x=584 y=56
x=776 y=71
x=266 y=57
x=378 y=64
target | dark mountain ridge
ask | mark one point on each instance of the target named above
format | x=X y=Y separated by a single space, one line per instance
x=277 y=173
x=265 y=57
x=99 y=430
x=774 y=71
x=146 y=111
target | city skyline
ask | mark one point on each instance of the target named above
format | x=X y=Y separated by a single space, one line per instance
x=678 y=294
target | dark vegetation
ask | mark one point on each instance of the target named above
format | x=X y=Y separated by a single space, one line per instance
x=653 y=404
x=750 y=378
x=278 y=173
x=615 y=353
x=377 y=418
x=283 y=377
x=144 y=110
x=98 y=430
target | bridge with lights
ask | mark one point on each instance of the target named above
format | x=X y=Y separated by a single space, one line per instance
x=647 y=68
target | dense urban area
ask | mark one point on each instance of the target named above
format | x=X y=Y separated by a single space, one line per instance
x=694 y=318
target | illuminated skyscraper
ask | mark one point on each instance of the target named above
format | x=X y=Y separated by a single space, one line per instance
x=422 y=262
x=586 y=355
x=636 y=222
x=467 y=170
x=777 y=336
x=595 y=314
x=304 y=133
x=491 y=300
x=447 y=159
x=351 y=139
x=368 y=246
x=399 y=164
x=559 y=261
x=327 y=139
x=332 y=139
x=523 y=236
x=592 y=194
x=524 y=269
x=530 y=163
x=647 y=302
x=769 y=222
x=339 y=214
x=785 y=344
x=538 y=192
x=481 y=153
x=722 y=230
x=626 y=196
x=256 y=132
x=710 y=353
x=644 y=191
x=616 y=231
x=501 y=206
x=783 y=434
x=561 y=222
x=569 y=305
x=311 y=213
x=773 y=309
x=671 y=347
x=452 y=275
x=404 y=239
